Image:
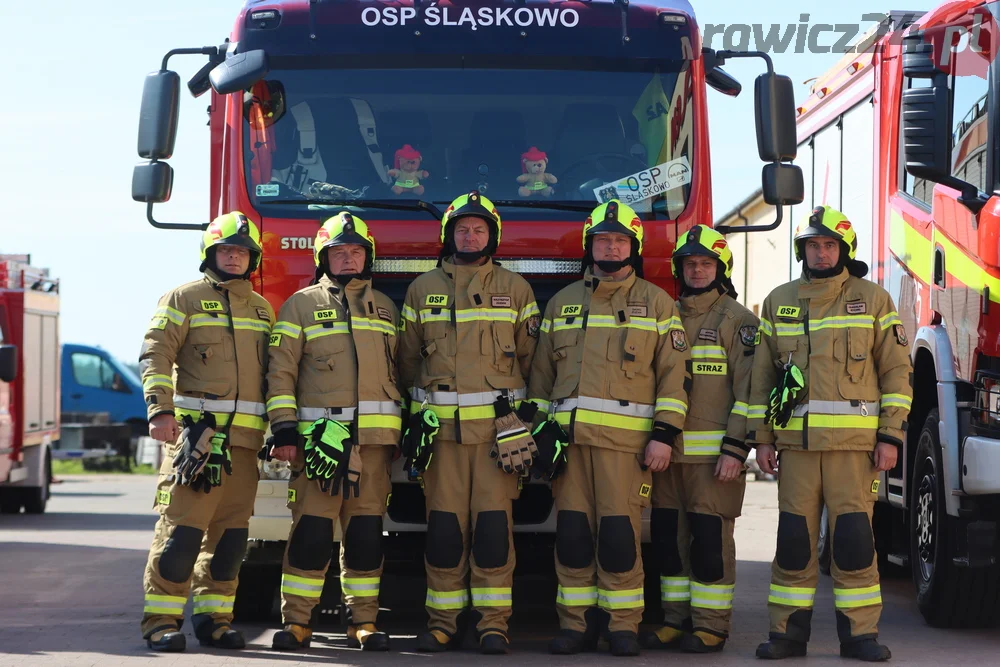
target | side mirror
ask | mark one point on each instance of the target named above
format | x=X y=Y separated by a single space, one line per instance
x=918 y=57
x=723 y=81
x=8 y=363
x=152 y=182
x=927 y=130
x=239 y=71
x=774 y=112
x=782 y=185
x=158 y=115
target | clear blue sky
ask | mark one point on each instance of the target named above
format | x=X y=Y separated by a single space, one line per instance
x=69 y=119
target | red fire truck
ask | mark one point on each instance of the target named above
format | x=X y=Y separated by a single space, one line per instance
x=900 y=135
x=392 y=109
x=29 y=383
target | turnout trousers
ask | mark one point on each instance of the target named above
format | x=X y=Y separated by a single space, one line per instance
x=847 y=482
x=311 y=540
x=599 y=502
x=691 y=525
x=470 y=545
x=198 y=543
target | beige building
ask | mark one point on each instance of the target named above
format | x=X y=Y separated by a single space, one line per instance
x=762 y=260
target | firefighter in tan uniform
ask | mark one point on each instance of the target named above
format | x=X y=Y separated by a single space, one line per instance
x=335 y=412
x=469 y=329
x=831 y=390
x=203 y=362
x=697 y=499
x=611 y=369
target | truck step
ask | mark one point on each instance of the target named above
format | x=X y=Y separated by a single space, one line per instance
x=902 y=560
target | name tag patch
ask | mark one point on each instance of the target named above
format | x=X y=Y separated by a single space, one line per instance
x=788 y=311
x=500 y=301
x=637 y=310
x=324 y=315
x=859 y=308
x=709 y=334
x=211 y=306
x=436 y=300
x=710 y=368
x=571 y=310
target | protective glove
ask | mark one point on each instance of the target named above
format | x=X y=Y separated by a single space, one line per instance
x=514 y=447
x=285 y=436
x=348 y=476
x=218 y=460
x=418 y=441
x=552 y=442
x=195 y=446
x=328 y=445
x=781 y=402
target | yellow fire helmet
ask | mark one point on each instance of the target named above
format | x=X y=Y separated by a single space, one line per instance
x=613 y=216
x=232 y=228
x=344 y=229
x=472 y=204
x=705 y=241
x=828 y=222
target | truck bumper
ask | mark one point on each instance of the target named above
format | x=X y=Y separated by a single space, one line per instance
x=980 y=465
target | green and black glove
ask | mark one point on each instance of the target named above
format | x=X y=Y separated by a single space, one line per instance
x=195 y=447
x=418 y=441
x=552 y=441
x=218 y=460
x=328 y=446
x=782 y=401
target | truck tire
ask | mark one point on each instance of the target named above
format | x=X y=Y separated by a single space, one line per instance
x=824 y=545
x=255 y=594
x=10 y=501
x=947 y=595
x=37 y=497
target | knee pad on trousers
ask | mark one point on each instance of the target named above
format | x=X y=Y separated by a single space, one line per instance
x=363 y=543
x=179 y=554
x=311 y=545
x=574 y=542
x=663 y=532
x=444 y=540
x=794 y=547
x=616 y=544
x=853 y=542
x=489 y=540
x=229 y=554
x=706 y=547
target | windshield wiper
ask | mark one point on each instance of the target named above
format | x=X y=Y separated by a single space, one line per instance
x=331 y=205
x=584 y=207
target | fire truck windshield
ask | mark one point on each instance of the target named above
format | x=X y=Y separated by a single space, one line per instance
x=518 y=135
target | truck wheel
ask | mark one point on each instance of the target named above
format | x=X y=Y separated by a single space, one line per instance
x=255 y=592
x=947 y=595
x=10 y=501
x=824 y=543
x=36 y=498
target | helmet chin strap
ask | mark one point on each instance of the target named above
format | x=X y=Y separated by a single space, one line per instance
x=471 y=256
x=609 y=266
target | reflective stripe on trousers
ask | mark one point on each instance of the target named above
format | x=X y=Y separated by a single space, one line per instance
x=207 y=604
x=791 y=596
x=675 y=589
x=447 y=599
x=849 y=598
x=303 y=586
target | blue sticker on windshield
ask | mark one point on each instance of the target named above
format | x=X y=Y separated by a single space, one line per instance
x=268 y=190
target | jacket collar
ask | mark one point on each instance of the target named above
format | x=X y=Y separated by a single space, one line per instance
x=822 y=289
